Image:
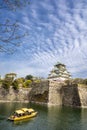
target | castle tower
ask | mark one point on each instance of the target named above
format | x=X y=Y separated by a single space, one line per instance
x=59 y=72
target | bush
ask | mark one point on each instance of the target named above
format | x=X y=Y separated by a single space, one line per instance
x=20 y=80
x=85 y=81
x=6 y=84
x=37 y=81
x=15 y=84
x=80 y=81
x=27 y=83
x=1 y=81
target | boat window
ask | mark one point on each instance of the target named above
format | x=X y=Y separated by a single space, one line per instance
x=23 y=114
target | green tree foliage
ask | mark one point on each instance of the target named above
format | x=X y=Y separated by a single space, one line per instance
x=27 y=83
x=6 y=84
x=85 y=81
x=29 y=77
x=15 y=84
x=80 y=81
x=8 y=80
x=37 y=81
x=1 y=82
x=20 y=80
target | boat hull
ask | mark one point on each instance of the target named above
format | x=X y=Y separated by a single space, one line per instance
x=11 y=118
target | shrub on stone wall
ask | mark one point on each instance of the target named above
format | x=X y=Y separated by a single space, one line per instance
x=37 y=81
x=85 y=81
x=27 y=83
x=1 y=81
x=6 y=84
x=15 y=84
x=80 y=81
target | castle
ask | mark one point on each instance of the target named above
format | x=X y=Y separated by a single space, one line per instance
x=59 y=72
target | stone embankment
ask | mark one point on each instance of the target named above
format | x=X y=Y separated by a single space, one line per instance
x=70 y=95
x=67 y=94
x=48 y=92
x=11 y=95
x=82 y=90
x=39 y=92
x=55 y=93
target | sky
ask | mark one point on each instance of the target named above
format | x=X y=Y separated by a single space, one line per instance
x=57 y=33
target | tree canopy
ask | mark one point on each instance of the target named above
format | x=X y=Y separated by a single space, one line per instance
x=10 y=36
x=29 y=77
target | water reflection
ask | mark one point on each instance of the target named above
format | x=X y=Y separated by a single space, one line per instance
x=84 y=119
x=7 y=108
x=48 y=118
x=64 y=118
x=22 y=122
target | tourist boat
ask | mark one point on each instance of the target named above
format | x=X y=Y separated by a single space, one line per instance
x=23 y=114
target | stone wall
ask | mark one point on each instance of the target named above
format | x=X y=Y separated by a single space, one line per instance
x=82 y=89
x=55 y=93
x=11 y=95
x=39 y=92
x=70 y=95
x=48 y=92
x=67 y=95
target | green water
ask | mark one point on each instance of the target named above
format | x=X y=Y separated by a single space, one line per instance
x=52 y=118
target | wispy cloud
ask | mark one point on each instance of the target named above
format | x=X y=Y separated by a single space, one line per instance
x=57 y=32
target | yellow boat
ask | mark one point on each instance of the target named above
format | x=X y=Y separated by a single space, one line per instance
x=23 y=114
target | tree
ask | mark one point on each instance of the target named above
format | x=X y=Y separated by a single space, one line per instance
x=8 y=80
x=18 y=82
x=10 y=36
x=6 y=84
x=13 y=4
x=15 y=84
x=27 y=83
x=29 y=77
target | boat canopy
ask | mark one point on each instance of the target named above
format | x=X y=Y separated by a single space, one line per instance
x=24 y=110
x=27 y=110
x=19 y=111
x=31 y=110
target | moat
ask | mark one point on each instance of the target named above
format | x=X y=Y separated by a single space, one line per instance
x=49 y=118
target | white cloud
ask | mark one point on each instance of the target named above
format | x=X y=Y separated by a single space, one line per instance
x=57 y=35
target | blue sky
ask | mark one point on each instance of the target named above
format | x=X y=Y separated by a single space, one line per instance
x=57 y=32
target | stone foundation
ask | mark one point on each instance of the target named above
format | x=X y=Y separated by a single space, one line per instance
x=48 y=92
x=11 y=95
x=55 y=93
